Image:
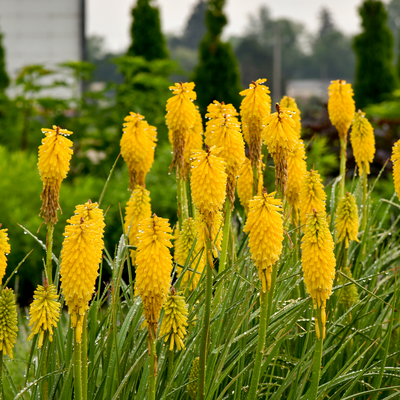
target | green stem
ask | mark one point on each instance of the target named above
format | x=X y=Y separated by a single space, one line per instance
x=262 y=330
x=206 y=320
x=364 y=200
x=49 y=252
x=343 y=147
x=77 y=369
x=271 y=291
x=152 y=365
x=317 y=361
x=345 y=256
x=255 y=181
x=226 y=234
x=84 y=362
x=1 y=375
x=183 y=209
x=171 y=359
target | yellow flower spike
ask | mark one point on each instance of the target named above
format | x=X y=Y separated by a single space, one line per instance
x=8 y=321
x=5 y=249
x=312 y=195
x=265 y=228
x=54 y=157
x=396 y=167
x=297 y=169
x=208 y=182
x=245 y=184
x=349 y=293
x=217 y=231
x=154 y=267
x=217 y=110
x=290 y=103
x=44 y=312
x=341 y=106
x=318 y=260
x=256 y=105
x=224 y=132
x=138 y=143
x=174 y=322
x=181 y=117
x=362 y=141
x=347 y=222
x=183 y=246
x=80 y=258
x=193 y=378
x=281 y=138
x=137 y=208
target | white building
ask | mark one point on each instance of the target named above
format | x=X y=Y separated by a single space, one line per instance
x=46 y=32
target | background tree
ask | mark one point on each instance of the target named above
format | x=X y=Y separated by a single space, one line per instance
x=375 y=78
x=4 y=80
x=393 y=10
x=217 y=74
x=147 y=38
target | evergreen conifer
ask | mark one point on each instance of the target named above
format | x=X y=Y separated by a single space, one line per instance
x=4 y=79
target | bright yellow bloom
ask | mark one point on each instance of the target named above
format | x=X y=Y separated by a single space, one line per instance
x=217 y=231
x=318 y=259
x=8 y=321
x=290 y=103
x=341 y=106
x=137 y=209
x=208 y=182
x=224 y=132
x=255 y=106
x=312 y=195
x=174 y=322
x=265 y=228
x=80 y=258
x=183 y=246
x=347 y=222
x=5 y=249
x=154 y=266
x=44 y=312
x=54 y=157
x=396 y=167
x=137 y=147
x=217 y=110
x=297 y=169
x=349 y=293
x=193 y=378
x=245 y=184
x=363 y=141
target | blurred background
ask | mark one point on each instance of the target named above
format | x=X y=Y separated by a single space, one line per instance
x=84 y=65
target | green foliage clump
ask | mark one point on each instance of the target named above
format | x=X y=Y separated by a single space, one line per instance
x=147 y=38
x=4 y=79
x=375 y=77
x=217 y=75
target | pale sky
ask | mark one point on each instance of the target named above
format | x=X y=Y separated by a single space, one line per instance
x=112 y=18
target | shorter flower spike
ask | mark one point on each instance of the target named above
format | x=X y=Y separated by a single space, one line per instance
x=396 y=167
x=349 y=293
x=193 y=378
x=174 y=322
x=217 y=231
x=265 y=228
x=8 y=321
x=44 y=312
x=5 y=249
x=362 y=141
x=347 y=222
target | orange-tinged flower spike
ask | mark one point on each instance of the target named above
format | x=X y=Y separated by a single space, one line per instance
x=255 y=106
x=137 y=208
x=80 y=258
x=218 y=110
x=290 y=103
x=281 y=138
x=265 y=228
x=183 y=246
x=341 y=106
x=208 y=182
x=54 y=157
x=5 y=249
x=217 y=231
x=362 y=141
x=312 y=195
x=396 y=167
x=44 y=312
x=225 y=133
x=154 y=267
x=137 y=147
x=245 y=184
x=297 y=169
x=318 y=260
x=347 y=222
x=8 y=321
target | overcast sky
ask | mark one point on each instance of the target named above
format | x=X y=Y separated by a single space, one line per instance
x=111 y=18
